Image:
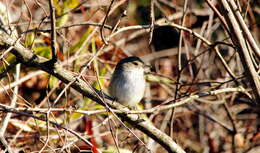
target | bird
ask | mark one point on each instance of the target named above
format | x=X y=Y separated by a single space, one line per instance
x=127 y=85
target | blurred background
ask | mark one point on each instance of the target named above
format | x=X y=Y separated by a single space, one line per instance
x=222 y=119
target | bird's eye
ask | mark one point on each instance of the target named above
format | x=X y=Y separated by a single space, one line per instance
x=135 y=63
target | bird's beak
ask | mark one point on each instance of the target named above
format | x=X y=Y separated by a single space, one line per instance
x=147 y=68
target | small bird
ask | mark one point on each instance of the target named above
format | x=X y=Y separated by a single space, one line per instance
x=127 y=84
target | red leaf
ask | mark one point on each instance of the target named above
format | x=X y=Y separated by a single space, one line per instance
x=89 y=131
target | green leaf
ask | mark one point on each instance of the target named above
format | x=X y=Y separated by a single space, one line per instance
x=63 y=11
x=58 y=8
x=81 y=41
x=53 y=81
x=69 y=4
x=62 y=20
x=10 y=59
x=29 y=40
x=44 y=51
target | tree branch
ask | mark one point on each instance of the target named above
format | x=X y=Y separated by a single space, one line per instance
x=240 y=43
x=30 y=59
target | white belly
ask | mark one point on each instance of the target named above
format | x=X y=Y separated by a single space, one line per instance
x=130 y=89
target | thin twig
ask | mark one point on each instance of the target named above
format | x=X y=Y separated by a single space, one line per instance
x=23 y=79
x=53 y=31
x=5 y=121
x=170 y=105
x=222 y=19
x=30 y=21
x=240 y=42
x=180 y=48
x=104 y=22
x=204 y=40
x=7 y=69
x=244 y=27
x=44 y=119
x=48 y=131
x=152 y=21
x=68 y=26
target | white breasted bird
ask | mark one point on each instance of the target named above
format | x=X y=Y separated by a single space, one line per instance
x=127 y=84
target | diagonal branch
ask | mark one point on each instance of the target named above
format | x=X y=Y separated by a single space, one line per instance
x=243 y=51
x=30 y=59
